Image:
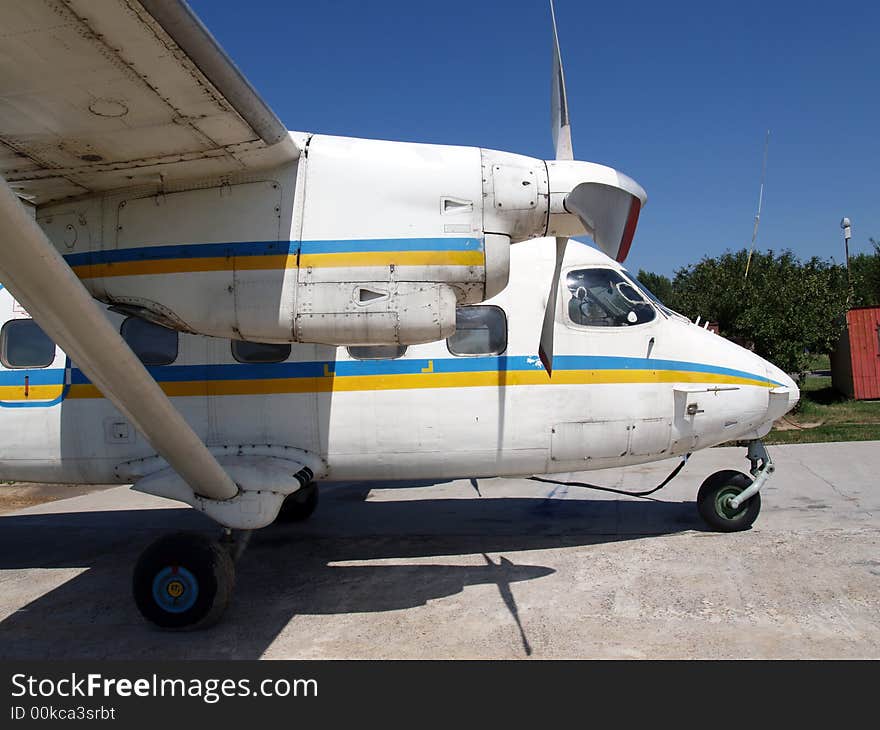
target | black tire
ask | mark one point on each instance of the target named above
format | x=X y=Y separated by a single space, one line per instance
x=300 y=505
x=183 y=581
x=716 y=490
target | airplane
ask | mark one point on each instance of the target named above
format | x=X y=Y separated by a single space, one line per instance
x=215 y=310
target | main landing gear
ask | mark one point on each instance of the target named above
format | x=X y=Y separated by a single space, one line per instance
x=729 y=501
x=299 y=506
x=184 y=581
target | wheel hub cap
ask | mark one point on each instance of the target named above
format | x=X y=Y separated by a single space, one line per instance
x=723 y=507
x=175 y=589
x=722 y=504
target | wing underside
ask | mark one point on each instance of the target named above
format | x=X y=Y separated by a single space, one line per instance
x=103 y=94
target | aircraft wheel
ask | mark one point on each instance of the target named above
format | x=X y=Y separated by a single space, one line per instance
x=713 y=502
x=183 y=581
x=298 y=507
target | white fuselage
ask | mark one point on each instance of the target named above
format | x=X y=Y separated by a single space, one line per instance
x=618 y=396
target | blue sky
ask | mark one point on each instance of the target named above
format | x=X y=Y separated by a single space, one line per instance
x=678 y=95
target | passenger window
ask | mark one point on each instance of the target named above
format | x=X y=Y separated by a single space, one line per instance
x=259 y=352
x=603 y=298
x=24 y=345
x=152 y=343
x=377 y=352
x=479 y=331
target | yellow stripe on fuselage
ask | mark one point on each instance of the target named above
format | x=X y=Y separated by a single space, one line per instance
x=397 y=258
x=35 y=392
x=426 y=381
x=185 y=266
x=280 y=262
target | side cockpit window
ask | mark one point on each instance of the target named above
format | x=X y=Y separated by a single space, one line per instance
x=24 y=345
x=480 y=330
x=152 y=343
x=603 y=298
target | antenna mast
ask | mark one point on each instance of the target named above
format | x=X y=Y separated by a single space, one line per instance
x=760 y=203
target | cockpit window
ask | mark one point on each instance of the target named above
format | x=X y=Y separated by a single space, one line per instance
x=653 y=297
x=603 y=298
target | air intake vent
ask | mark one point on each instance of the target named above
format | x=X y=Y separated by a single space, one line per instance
x=450 y=206
x=370 y=295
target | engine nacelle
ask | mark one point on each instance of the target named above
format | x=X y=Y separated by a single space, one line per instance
x=371 y=313
x=357 y=242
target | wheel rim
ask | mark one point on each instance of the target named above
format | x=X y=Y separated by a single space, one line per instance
x=175 y=589
x=722 y=504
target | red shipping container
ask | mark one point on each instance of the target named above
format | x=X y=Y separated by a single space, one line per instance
x=855 y=363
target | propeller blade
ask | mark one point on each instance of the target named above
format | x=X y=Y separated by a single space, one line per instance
x=545 y=347
x=561 y=126
x=609 y=214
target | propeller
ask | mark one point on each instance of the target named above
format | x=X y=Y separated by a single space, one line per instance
x=608 y=211
x=559 y=101
x=561 y=128
x=545 y=346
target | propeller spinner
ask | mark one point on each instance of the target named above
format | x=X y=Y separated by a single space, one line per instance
x=607 y=206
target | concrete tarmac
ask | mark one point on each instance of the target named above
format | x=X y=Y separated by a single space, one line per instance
x=489 y=568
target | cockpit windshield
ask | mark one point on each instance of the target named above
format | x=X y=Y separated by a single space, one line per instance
x=603 y=298
x=653 y=297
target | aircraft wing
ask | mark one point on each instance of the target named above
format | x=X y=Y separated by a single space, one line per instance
x=104 y=94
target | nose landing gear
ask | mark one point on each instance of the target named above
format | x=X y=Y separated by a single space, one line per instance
x=729 y=501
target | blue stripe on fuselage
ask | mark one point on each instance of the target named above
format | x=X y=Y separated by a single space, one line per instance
x=268 y=371
x=270 y=248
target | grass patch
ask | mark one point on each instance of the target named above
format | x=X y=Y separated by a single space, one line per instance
x=823 y=414
x=819 y=362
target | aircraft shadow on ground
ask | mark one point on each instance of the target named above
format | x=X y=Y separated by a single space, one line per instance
x=291 y=571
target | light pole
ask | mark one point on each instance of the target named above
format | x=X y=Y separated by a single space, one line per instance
x=847 y=234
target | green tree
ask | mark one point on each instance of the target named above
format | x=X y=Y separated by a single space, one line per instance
x=865 y=272
x=786 y=308
x=660 y=286
x=712 y=289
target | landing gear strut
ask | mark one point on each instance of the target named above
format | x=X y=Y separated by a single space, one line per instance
x=729 y=501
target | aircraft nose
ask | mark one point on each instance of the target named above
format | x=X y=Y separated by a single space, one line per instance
x=785 y=395
x=794 y=394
